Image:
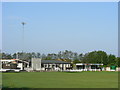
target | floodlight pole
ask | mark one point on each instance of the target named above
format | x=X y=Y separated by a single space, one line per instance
x=17 y=55
x=23 y=23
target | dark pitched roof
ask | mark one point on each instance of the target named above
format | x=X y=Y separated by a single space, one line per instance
x=54 y=61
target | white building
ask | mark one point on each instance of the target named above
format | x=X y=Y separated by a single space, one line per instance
x=89 y=67
x=50 y=65
x=13 y=64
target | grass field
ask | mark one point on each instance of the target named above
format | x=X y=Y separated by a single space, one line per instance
x=61 y=80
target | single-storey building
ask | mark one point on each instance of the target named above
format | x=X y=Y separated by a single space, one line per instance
x=89 y=67
x=50 y=65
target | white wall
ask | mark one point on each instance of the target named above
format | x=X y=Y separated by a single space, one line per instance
x=20 y=65
x=36 y=63
x=107 y=68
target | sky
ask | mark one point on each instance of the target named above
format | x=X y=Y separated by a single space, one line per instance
x=52 y=27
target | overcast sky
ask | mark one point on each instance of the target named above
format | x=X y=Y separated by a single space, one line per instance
x=52 y=27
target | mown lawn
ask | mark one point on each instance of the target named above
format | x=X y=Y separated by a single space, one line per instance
x=60 y=80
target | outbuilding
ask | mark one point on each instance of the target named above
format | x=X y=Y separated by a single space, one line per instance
x=89 y=66
x=13 y=64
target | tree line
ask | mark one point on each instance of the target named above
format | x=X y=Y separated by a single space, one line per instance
x=68 y=56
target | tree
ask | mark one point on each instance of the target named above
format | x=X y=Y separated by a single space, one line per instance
x=117 y=61
x=96 y=57
x=38 y=55
x=111 y=59
x=76 y=61
x=80 y=56
x=69 y=56
x=43 y=57
x=6 y=56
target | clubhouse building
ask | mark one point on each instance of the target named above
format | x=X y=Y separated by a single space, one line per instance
x=50 y=65
x=36 y=65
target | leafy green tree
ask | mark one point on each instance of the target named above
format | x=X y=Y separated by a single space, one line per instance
x=6 y=56
x=69 y=56
x=76 y=61
x=95 y=57
x=117 y=61
x=38 y=55
x=111 y=60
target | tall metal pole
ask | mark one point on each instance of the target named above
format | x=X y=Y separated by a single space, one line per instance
x=23 y=23
x=17 y=55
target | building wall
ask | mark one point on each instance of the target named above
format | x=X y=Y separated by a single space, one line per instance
x=55 y=67
x=9 y=66
x=20 y=65
x=89 y=67
x=36 y=63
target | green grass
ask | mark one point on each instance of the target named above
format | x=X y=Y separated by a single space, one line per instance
x=61 y=80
